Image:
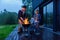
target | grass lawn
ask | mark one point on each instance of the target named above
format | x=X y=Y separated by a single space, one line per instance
x=5 y=30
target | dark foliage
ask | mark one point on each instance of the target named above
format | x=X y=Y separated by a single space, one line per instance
x=8 y=18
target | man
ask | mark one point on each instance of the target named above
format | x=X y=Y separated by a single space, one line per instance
x=21 y=16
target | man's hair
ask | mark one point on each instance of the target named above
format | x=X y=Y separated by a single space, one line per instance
x=24 y=6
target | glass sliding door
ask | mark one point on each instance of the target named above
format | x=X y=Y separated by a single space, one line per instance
x=48 y=15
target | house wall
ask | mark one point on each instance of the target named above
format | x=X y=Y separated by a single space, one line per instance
x=56 y=11
x=35 y=3
x=56 y=15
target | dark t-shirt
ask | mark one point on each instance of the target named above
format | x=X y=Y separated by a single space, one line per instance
x=20 y=14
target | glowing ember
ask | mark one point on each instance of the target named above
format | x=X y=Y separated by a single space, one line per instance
x=26 y=21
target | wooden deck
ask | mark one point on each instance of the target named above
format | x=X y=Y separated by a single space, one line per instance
x=45 y=34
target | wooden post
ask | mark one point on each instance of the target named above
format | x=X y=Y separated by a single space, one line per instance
x=41 y=13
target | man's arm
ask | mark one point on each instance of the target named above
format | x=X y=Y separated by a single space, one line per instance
x=20 y=19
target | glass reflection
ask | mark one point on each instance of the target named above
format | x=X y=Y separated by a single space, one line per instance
x=48 y=15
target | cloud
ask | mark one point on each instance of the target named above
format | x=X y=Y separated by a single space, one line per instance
x=11 y=2
x=11 y=5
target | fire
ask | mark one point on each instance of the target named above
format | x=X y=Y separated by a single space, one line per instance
x=26 y=21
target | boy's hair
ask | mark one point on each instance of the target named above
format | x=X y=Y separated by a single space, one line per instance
x=24 y=6
x=37 y=10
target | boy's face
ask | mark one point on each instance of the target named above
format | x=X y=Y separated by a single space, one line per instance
x=37 y=12
x=24 y=9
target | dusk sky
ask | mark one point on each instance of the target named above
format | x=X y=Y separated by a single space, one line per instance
x=15 y=5
x=10 y=5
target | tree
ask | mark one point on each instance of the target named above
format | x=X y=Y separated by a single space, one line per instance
x=8 y=18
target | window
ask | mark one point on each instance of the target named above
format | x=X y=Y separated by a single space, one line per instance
x=48 y=15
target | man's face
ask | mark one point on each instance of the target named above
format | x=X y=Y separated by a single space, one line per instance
x=24 y=9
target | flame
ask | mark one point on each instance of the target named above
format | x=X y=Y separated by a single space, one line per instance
x=26 y=21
